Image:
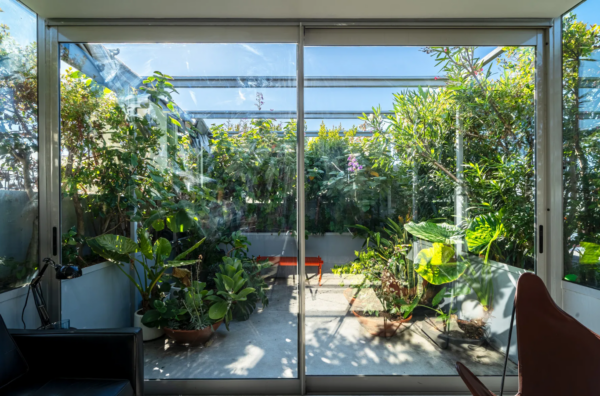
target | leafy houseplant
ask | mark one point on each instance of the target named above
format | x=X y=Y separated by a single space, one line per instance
x=439 y=264
x=154 y=261
x=388 y=274
x=230 y=282
x=186 y=317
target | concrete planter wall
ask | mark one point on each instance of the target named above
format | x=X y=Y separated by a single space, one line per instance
x=504 y=279
x=333 y=248
x=101 y=298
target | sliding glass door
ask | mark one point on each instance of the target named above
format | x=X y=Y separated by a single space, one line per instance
x=394 y=254
x=420 y=198
x=188 y=150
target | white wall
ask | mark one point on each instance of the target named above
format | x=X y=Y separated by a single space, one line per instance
x=101 y=298
x=583 y=303
x=11 y=306
x=505 y=279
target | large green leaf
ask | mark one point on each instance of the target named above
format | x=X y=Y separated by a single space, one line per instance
x=180 y=222
x=482 y=232
x=435 y=232
x=591 y=255
x=115 y=248
x=162 y=249
x=434 y=265
x=218 y=310
x=179 y=263
x=145 y=244
x=182 y=255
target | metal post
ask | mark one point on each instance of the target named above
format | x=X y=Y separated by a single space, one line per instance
x=460 y=203
x=49 y=158
x=300 y=209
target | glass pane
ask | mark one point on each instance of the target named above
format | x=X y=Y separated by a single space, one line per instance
x=176 y=157
x=18 y=145
x=581 y=145
x=420 y=205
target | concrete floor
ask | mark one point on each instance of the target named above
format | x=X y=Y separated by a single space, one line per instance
x=265 y=346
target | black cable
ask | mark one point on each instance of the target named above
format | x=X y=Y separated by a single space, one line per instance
x=510 y=330
x=25 y=306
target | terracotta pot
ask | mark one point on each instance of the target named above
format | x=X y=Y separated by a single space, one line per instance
x=192 y=337
x=380 y=326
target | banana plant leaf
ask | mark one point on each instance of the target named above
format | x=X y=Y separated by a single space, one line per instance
x=591 y=255
x=435 y=232
x=434 y=265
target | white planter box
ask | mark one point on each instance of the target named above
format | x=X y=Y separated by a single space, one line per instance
x=101 y=298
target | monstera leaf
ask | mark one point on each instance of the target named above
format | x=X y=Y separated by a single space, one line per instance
x=435 y=232
x=591 y=255
x=483 y=231
x=435 y=266
x=115 y=248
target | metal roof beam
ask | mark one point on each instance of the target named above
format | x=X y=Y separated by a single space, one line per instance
x=254 y=114
x=310 y=82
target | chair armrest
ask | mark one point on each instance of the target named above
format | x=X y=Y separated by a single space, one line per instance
x=475 y=386
x=94 y=353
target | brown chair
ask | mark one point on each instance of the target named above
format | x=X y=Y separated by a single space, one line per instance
x=558 y=356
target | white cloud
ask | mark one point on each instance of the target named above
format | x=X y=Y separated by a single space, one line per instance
x=193 y=97
x=241 y=95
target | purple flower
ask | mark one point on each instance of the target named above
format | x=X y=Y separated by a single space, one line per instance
x=353 y=164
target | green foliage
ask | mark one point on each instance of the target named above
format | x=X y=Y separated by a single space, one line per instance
x=591 y=253
x=483 y=231
x=386 y=269
x=436 y=232
x=19 y=145
x=187 y=311
x=438 y=265
x=162 y=313
x=581 y=151
x=230 y=282
x=154 y=261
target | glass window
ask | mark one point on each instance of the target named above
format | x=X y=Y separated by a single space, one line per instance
x=581 y=145
x=420 y=196
x=18 y=145
x=179 y=183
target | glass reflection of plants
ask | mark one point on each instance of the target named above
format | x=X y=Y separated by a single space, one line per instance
x=19 y=147
x=581 y=152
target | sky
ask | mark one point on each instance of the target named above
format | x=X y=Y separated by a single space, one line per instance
x=21 y=21
x=280 y=60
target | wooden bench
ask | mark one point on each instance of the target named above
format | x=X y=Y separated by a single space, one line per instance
x=293 y=262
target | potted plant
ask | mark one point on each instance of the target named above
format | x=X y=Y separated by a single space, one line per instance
x=197 y=312
x=388 y=293
x=185 y=318
x=148 y=269
x=441 y=265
